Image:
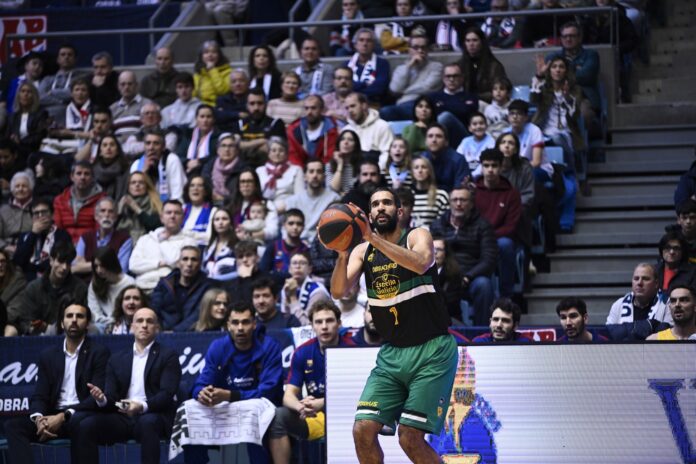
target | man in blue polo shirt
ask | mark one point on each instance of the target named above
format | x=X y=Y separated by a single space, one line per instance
x=304 y=418
x=505 y=318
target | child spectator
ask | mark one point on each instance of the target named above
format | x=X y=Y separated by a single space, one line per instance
x=497 y=112
x=472 y=146
x=254 y=224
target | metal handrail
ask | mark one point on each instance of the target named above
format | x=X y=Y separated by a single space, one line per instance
x=291 y=17
x=153 y=18
x=323 y=23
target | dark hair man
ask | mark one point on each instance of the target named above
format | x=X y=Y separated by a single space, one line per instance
x=505 y=318
x=572 y=312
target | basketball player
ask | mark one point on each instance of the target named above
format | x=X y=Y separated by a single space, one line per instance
x=412 y=380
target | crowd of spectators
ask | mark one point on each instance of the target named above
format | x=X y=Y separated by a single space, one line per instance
x=198 y=195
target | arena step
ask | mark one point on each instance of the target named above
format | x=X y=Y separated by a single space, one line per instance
x=596 y=277
x=639 y=153
x=651 y=134
x=611 y=222
x=661 y=199
x=618 y=238
x=657 y=167
x=633 y=185
x=613 y=259
x=655 y=113
x=541 y=305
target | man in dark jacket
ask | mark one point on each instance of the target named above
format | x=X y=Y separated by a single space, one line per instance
x=475 y=249
x=450 y=167
x=61 y=398
x=369 y=178
x=177 y=298
x=501 y=206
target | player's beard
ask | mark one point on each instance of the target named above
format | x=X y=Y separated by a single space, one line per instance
x=387 y=227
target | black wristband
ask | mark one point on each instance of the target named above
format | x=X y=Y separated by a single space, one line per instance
x=234 y=395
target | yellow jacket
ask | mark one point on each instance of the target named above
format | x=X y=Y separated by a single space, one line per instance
x=212 y=83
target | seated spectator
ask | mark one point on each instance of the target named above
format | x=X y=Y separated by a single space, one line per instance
x=263 y=72
x=473 y=242
x=352 y=310
x=573 y=315
x=423 y=116
x=146 y=377
x=503 y=31
x=10 y=164
x=342 y=169
x=505 y=318
x=448 y=33
x=198 y=209
x=12 y=281
x=218 y=256
x=398 y=171
x=276 y=258
x=449 y=166
x=417 y=76
x=139 y=209
x=107 y=283
x=449 y=278
x=304 y=418
x=340 y=40
x=74 y=208
x=104 y=235
x=201 y=147
x=454 y=104
x=181 y=113
x=686 y=222
x=61 y=396
x=682 y=308
x=249 y=192
x=150 y=119
x=156 y=254
x=15 y=216
x=34 y=247
x=257 y=129
x=369 y=178
x=265 y=299
x=247 y=260
x=312 y=201
x=472 y=146
x=77 y=115
x=370 y=72
x=673 y=264
x=253 y=224
x=288 y=107
x=162 y=166
x=393 y=36
x=374 y=133
x=519 y=172
x=28 y=124
x=30 y=68
x=111 y=167
x=531 y=140
x=231 y=107
x=686 y=188
x=640 y=312
x=177 y=297
x=243 y=364
x=500 y=204
x=335 y=102
x=104 y=80
x=407 y=199
x=160 y=85
x=99 y=127
x=313 y=136
x=300 y=291
x=224 y=169
x=542 y=30
x=214 y=311
x=497 y=112
x=55 y=89
x=315 y=76
x=479 y=66
x=585 y=65
x=368 y=334
x=129 y=300
x=126 y=111
x=279 y=178
x=212 y=73
x=430 y=202
x=38 y=308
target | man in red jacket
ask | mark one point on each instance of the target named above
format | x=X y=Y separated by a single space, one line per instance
x=73 y=210
x=312 y=136
x=499 y=204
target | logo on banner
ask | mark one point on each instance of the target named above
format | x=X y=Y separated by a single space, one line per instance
x=667 y=390
x=22 y=25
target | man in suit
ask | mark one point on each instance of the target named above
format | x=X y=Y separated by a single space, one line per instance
x=62 y=396
x=138 y=402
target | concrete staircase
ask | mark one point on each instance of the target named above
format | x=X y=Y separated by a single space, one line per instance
x=652 y=143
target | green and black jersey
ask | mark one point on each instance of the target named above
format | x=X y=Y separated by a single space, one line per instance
x=406 y=308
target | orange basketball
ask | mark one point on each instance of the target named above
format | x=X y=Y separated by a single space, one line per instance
x=341 y=227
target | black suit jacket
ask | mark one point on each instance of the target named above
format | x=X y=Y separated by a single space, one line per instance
x=162 y=376
x=91 y=367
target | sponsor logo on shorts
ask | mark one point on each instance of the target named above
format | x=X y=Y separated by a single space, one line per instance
x=372 y=404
